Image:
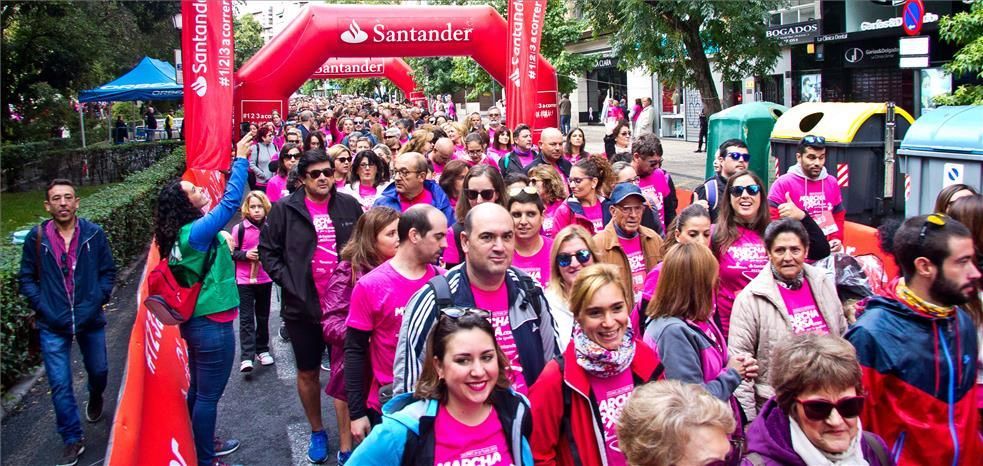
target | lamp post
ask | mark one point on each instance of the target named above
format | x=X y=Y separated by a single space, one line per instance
x=178 y=65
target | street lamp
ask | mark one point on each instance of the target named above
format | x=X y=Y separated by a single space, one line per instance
x=178 y=67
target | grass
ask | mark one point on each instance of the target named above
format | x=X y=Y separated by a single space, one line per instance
x=18 y=210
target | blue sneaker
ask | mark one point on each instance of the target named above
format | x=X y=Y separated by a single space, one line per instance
x=317 y=452
x=343 y=456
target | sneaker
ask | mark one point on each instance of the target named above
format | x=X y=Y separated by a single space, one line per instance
x=317 y=452
x=325 y=362
x=93 y=408
x=342 y=457
x=246 y=366
x=283 y=333
x=226 y=447
x=265 y=358
x=70 y=456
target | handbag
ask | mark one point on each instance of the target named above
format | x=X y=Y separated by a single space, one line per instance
x=167 y=299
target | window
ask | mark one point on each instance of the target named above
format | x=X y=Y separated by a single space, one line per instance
x=797 y=11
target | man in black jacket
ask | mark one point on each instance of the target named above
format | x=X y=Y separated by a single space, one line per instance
x=299 y=247
x=551 y=152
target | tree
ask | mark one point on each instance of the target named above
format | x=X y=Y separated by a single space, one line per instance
x=249 y=38
x=677 y=39
x=965 y=29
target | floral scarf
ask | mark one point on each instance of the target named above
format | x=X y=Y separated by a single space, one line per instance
x=597 y=360
x=910 y=298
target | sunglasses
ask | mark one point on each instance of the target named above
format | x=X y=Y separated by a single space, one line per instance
x=819 y=410
x=564 y=260
x=752 y=189
x=486 y=194
x=813 y=140
x=292 y=155
x=625 y=133
x=739 y=156
x=343 y=159
x=933 y=220
x=458 y=312
x=315 y=174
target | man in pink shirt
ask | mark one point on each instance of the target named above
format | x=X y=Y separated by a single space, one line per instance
x=411 y=187
x=443 y=152
x=656 y=184
x=377 y=304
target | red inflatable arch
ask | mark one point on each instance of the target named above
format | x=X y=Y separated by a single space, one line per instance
x=329 y=31
x=394 y=69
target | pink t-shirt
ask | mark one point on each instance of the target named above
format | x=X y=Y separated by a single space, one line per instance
x=340 y=183
x=802 y=310
x=655 y=188
x=423 y=198
x=325 y=253
x=738 y=266
x=276 y=188
x=636 y=261
x=612 y=393
x=816 y=198
x=595 y=215
x=457 y=444
x=536 y=265
x=368 y=194
x=549 y=224
x=526 y=158
x=378 y=301
x=497 y=302
x=438 y=168
x=451 y=256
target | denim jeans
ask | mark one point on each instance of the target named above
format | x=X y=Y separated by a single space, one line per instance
x=565 y=124
x=211 y=351
x=56 y=350
x=254 y=320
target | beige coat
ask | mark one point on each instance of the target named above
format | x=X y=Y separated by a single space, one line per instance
x=760 y=321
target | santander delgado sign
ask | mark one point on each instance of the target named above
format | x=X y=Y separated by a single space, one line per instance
x=383 y=33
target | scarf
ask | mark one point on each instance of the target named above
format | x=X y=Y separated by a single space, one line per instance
x=599 y=361
x=813 y=456
x=911 y=299
x=793 y=284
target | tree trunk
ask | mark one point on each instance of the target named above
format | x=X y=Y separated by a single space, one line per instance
x=701 y=69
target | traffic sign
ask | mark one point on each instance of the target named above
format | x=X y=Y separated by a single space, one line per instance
x=912 y=15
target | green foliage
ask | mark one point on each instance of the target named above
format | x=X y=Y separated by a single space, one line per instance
x=249 y=38
x=130 y=111
x=125 y=212
x=965 y=29
x=52 y=50
x=357 y=86
x=677 y=39
x=27 y=208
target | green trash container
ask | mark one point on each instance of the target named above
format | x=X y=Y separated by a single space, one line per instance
x=854 y=135
x=943 y=147
x=752 y=123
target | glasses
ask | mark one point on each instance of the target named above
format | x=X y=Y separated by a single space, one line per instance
x=458 y=312
x=476 y=153
x=625 y=133
x=631 y=209
x=343 y=159
x=292 y=155
x=752 y=190
x=564 y=260
x=813 y=140
x=634 y=180
x=486 y=194
x=739 y=156
x=403 y=173
x=819 y=410
x=934 y=220
x=531 y=190
x=315 y=174
x=578 y=180
x=365 y=165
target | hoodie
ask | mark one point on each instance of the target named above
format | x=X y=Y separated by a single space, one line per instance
x=820 y=198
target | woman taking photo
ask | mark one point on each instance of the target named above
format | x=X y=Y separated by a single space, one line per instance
x=374 y=241
x=462 y=410
x=277 y=186
x=452 y=180
x=599 y=368
x=501 y=144
x=365 y=183
x=532 y=249
x=588 y=179
x=552 y=191
x=574 y=146
x=482 y=184
x=573 y=249
x=193 y=246
x=814 y=418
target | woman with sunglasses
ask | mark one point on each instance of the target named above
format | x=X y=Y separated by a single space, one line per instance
x=813 y=419
x=277 y=187
x=577 y=399
x=365 y=183
x=342 y=158
x=552 y=191
x=482 y=184
x=374 y=241
x=574 y=146
x=619 y=141
x=501 y=144
x=452 y=180
x=573 y=249
x=588 y=179
x=532 y=249
x=462 y=410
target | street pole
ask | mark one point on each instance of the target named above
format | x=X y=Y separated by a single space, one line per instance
x=82 y=124
x=889 y=126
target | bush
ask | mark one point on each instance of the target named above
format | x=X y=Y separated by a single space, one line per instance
x=125 y=212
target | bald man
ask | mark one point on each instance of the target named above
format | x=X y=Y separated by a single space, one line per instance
x=443 y=152
x=411 y=187
x=551 y=153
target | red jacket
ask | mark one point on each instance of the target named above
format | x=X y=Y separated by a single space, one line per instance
x=549 y=445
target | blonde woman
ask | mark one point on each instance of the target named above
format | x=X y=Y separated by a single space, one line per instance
x=573 y=249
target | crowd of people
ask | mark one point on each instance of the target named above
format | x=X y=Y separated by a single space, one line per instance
x=479 y=297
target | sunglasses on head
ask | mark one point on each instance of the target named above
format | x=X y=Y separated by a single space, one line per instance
x=739 y=156
x=752 y=189
x=819 y=410
x=523 y=189
x=814 y=140
x=315 y=174
x=486 y=194
x=564 y=260
x=458 y=312
x=932 y=220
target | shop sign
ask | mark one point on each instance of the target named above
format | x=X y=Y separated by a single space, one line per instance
x=832 y=37
x=797 y=33
x=891 y=23
x=859 y=56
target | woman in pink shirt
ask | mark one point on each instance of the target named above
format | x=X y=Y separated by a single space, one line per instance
x=455 y=132
x=482 y=184
x=552 y=191
x=532 y=249
x=342 y=158
x=501 y=144
x=462 y=411
x=253 y=283
x=588 y=179
x=452 y=179
x=368 y=178
x=277 y=187
x=575 y=146
x=374 y=241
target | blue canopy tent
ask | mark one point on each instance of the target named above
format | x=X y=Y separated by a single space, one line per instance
x=151 y=79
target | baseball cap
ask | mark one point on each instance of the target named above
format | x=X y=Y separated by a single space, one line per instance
x=622 y=191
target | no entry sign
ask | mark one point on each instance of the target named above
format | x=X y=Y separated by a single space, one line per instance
x=912 y=15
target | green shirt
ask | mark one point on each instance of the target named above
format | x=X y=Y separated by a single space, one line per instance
x=218 y=291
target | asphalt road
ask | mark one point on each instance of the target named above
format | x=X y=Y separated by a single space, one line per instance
x=261 y=409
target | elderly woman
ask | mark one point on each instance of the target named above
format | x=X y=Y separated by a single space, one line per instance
x=671 y=423
x=787 y=298
x=813 y=419
x=578 y=397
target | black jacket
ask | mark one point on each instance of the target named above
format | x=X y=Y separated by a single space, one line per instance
x=286 y=248
x=563 y=164
x=512 y=164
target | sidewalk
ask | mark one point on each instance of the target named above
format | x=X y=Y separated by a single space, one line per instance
x=685 y=166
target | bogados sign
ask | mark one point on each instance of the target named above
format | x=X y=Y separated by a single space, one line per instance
x=389 y=31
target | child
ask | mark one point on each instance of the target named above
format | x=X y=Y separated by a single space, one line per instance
x=254 y=284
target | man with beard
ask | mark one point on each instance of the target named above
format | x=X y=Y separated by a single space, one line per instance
x=918 y=348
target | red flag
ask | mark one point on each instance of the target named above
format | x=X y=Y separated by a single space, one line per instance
x=525 y=26
x=208 y=50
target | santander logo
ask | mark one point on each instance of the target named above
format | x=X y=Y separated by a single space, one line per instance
x=354 y=34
